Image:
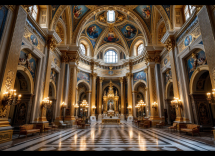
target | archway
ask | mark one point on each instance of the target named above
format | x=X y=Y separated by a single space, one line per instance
x=200 y=84
x=20 y=114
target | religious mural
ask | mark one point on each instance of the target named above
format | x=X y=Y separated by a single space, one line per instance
x=145 y=12
x=83 y=76
x=139 y=76
x=129 y=31
x=27 y=60
x=168 y=76
x=111 y=37
x=93 y=31
x=197 y=59
x=53 y=76
x=3 y=16
x=34 y=40
x=188 y=40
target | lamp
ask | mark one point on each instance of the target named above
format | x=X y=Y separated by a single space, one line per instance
x=154 y=105
x=211 y=99
x=84 y=105
x=10 y=98
x=140 y=106
x=63 y=105
x=177 y=103
x=46 y=103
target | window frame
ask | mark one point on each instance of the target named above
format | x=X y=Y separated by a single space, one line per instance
x=115 y=56
x=114 y=14
x=138 y=48
x=31 y=8
x=190 y=10
x=84 y=48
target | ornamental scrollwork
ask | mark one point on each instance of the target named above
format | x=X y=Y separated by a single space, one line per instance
x=51 y=43
x=169 y=44
x=9 y=79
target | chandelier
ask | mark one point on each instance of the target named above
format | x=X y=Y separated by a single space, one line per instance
x=46 y=103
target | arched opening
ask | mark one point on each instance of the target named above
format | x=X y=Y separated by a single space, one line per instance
x=203 y=112
x=170 y=113
x=20 y=114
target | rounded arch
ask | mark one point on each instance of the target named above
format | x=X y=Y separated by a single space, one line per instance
x=85 y=83
x=115 y=85
x=136 y=42
x=26 y=73
x=59 y=28
x=167 y=90
x=195 y=76
x=53 y=86
x=137 y=83
x=84 y=40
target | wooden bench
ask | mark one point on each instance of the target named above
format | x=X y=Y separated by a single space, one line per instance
x=191 y=128
x=28 y=129
x=174 y=126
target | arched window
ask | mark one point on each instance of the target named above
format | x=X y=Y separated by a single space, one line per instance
x=111 y=57
x=188 y=10
x=83 y=49
x=140 y=49
x=34 y=11
x=110 y=16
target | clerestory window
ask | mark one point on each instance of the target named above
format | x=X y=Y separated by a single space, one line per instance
x=111 y=16
x=111 y=57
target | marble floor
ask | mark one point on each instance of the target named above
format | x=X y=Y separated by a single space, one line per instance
x=124 y=137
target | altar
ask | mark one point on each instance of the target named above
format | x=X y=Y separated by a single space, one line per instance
x=111 y=121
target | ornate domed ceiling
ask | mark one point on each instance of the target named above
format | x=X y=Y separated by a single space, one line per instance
x=132 y=22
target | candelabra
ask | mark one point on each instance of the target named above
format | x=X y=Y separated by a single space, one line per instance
x=84 y=106
x=129 y=110
x=154 y=105
x=209 y=97
x=10 y=98
x=76 y=108
x=176 y=103
x=46 y=103
x=141 y=106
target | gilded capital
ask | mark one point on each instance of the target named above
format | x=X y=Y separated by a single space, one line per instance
x=64 y=58
x=101 y=79
x=94 y=75
x=169 y=44
x=121 y=79
x=51 y=43
x=129 y=75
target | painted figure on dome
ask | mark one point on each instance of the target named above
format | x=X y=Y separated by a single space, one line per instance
x=146 y=12
x=77 y=12
x=129 y=31
x=92 y=32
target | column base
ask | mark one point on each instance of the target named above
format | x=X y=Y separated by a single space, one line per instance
x=185 y=120
x=42 y=119
x=122 y=117
x=130 y=119
x=179 y=119
x=6 y=135
x=99 y=117
x=41 y=125
x=92 y=118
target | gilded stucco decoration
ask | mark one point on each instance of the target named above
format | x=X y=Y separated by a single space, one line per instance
x=9 y=79
x=161 y=32
x=60 y=31
x=33 y=39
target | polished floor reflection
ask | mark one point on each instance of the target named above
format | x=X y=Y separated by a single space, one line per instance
x=124 y=137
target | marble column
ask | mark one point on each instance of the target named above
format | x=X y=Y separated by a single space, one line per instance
x=8 y=75
x=153 y=94
x=122 y=117
x=148 y=110
x=100 y=97
x=89 y=101
x=134 y=93
x=130 y=116
x=93 y=97
x=207 y=29
x=72 y=92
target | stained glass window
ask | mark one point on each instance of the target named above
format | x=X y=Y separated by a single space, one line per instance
x=111 y=57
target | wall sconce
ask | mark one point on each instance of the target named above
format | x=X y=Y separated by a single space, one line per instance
x=154 y=105
x=10 y=98
x=46 y=103
x=63 y=105
x=176 y=103
x=209 y=97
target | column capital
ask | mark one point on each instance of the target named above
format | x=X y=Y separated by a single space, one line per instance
x=170 y=43
x=101 y=79
x=129 y=74
x=93 y=75
x=121 y=79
